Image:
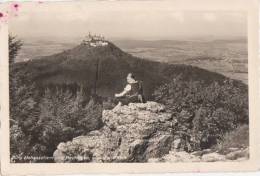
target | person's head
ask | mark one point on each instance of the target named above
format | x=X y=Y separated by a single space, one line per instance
x=130 y=78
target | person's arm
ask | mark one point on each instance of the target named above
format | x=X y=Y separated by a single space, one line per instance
x=125 y=91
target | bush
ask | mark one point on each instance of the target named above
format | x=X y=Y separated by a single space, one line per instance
x=39 y=122
x=215 y=109
x=239 y=138
x=14 y=47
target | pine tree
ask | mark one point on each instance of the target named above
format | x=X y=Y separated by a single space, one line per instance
x=14 y=47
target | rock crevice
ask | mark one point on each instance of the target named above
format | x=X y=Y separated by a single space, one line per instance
x=138 y=133
x=132 y=133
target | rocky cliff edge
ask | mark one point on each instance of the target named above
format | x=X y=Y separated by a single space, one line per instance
x=134 y=133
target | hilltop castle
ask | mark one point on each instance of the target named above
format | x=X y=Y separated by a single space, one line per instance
x=94 y=40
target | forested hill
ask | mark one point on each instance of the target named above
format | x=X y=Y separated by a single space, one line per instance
x=78 y=66
x=52 y=100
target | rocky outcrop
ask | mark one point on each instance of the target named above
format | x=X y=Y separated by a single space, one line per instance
x=132 y=133
x=203 y=156
x=140 y=133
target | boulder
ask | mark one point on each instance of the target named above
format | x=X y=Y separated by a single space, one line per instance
x=238 y=154
x=132 y=133
x=140 y=132
x=180 y=156
x=212 y=157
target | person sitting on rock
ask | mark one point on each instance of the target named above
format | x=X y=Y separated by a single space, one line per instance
x=132 y=93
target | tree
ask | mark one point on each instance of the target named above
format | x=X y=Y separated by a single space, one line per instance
x=14 y=47
x=204 y=112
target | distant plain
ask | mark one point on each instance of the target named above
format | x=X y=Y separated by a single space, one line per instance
x=226 y=56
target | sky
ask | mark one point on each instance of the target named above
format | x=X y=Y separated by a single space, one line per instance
x=149 y=20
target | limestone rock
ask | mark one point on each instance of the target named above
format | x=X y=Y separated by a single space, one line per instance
x=132 y=133
x=212 y=157
x=238 y=154
x=140 y=132
x=180 y=156
x=202 y=156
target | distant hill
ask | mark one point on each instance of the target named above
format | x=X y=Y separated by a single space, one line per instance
x=42 y=118
x=225 y=56
x=78 y=66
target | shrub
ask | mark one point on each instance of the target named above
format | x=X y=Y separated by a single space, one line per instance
x=14 y=47
x=239 y=138
x=215 y=109
x=41 y=121
x=63 y=116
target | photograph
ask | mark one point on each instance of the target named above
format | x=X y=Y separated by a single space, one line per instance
x=127 y=82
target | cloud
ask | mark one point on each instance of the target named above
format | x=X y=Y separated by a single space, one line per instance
x=124 y=20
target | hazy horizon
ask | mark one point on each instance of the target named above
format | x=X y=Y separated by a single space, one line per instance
x=77 y=39
x=219 y=36
x=149 y=20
